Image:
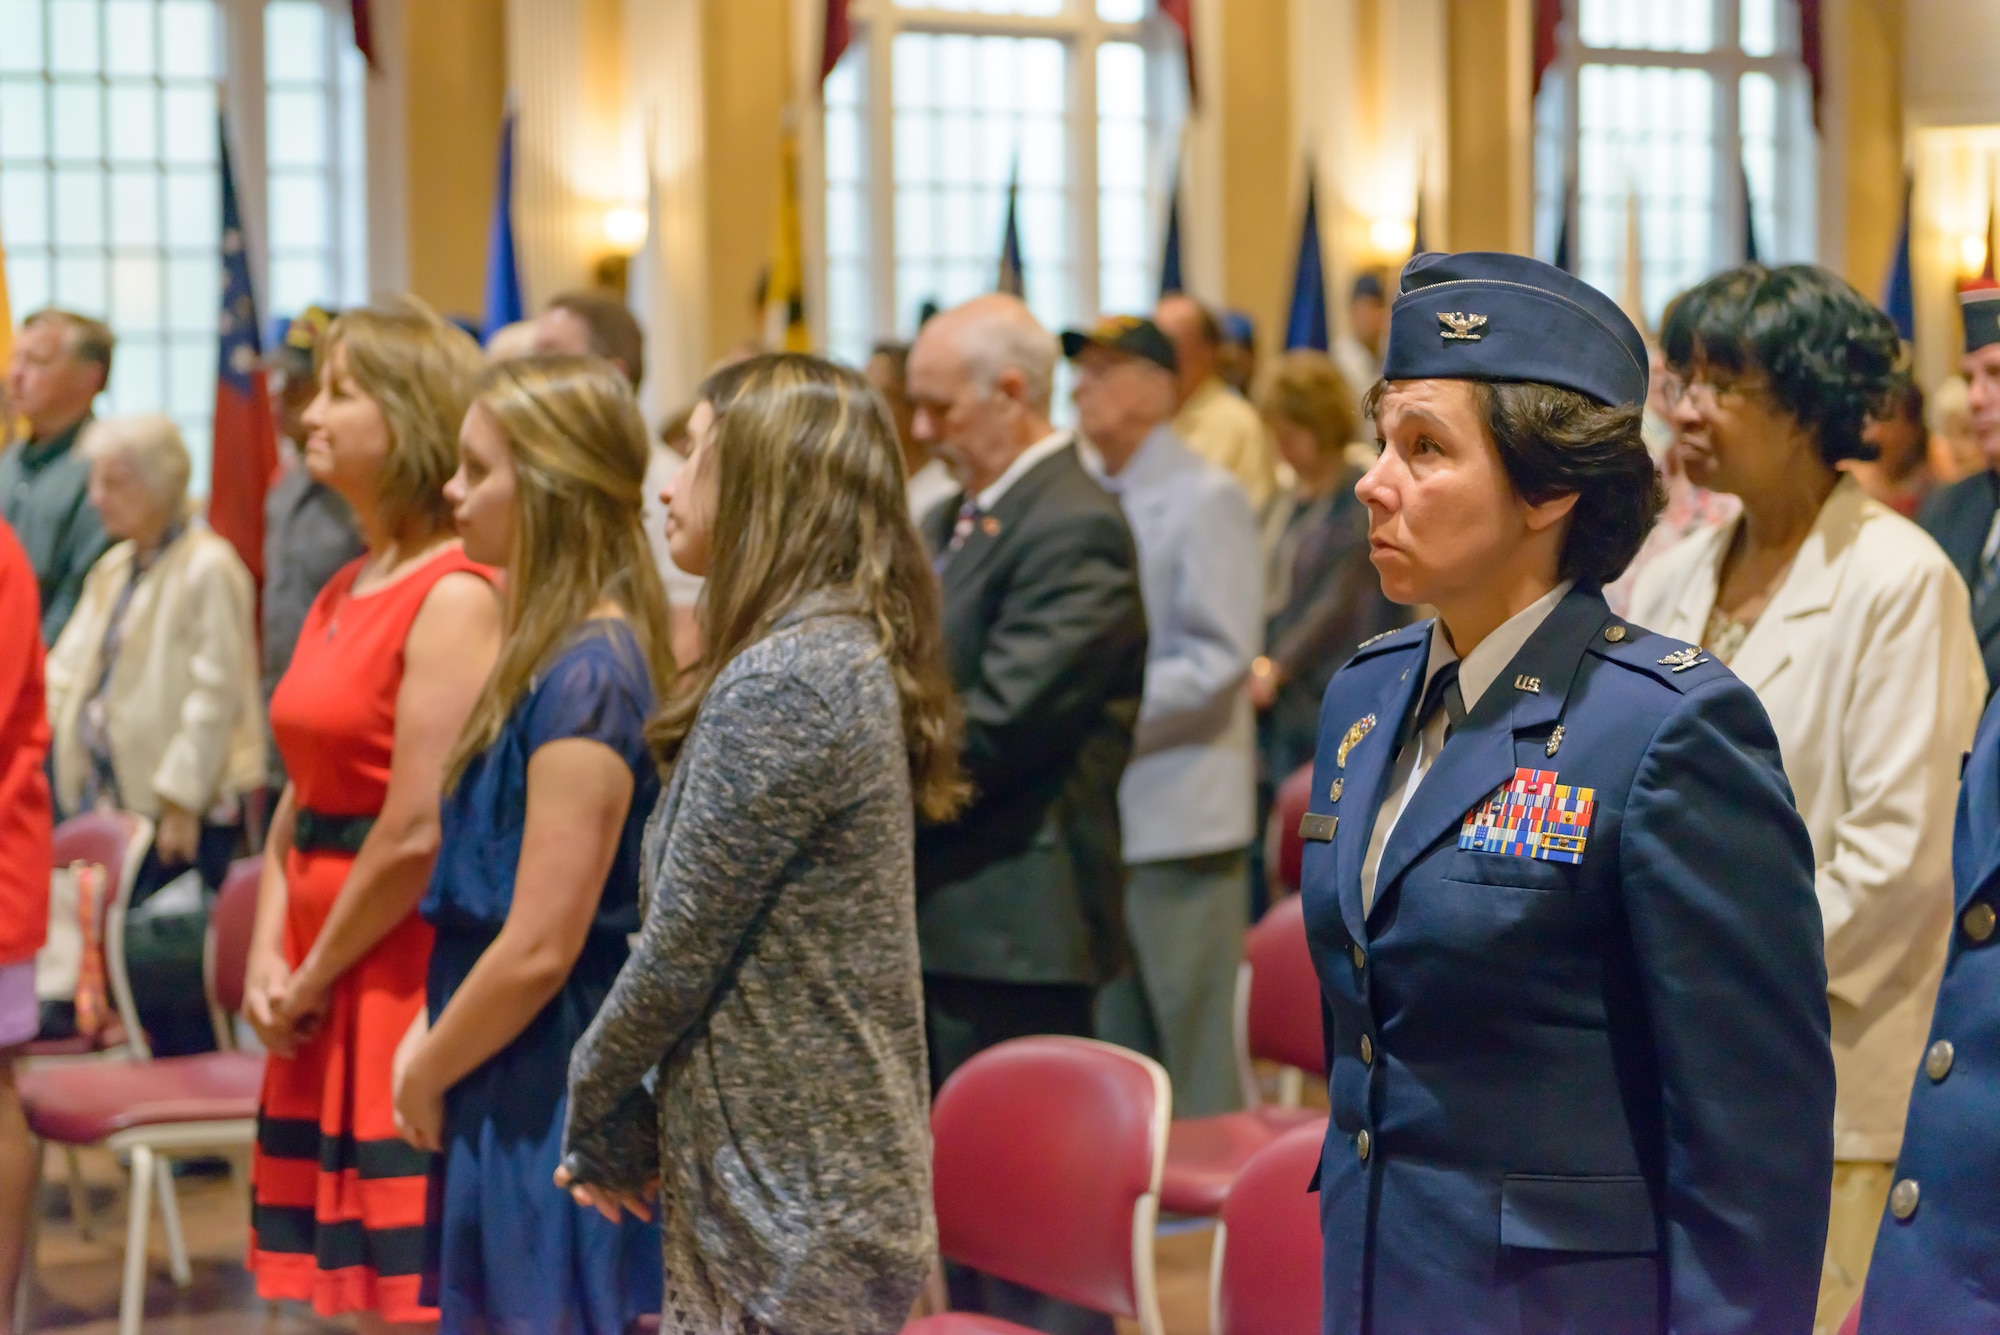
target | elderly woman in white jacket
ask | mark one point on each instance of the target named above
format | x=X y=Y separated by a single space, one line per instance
x=152 y=687
x=1856 y=633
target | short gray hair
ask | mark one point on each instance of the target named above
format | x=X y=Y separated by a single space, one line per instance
x=152 y=444
x=999 y=338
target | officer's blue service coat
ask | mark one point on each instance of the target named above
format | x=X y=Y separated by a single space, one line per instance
x=1580 y=1083
x=1937 y=1259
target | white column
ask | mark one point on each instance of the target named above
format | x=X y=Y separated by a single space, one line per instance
x=1201 y=193
x=388 y=161
x=663 y=83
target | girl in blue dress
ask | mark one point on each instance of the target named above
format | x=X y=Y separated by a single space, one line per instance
x=535 y=888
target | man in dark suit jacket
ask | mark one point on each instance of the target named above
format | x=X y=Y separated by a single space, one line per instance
x=1018 y=901
x=1965 y=517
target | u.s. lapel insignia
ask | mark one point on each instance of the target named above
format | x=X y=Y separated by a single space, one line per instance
x=1680 y=660
x=1532 y=685
x=1458 y=327
x=1555 y=741
x=1532 y=816
x=1359 y=729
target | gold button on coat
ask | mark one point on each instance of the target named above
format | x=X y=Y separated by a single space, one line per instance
x=1615 y=634
x=1978 y=921
x=1364 y=1142
x=1367 y=1050
x=1902 y=1199
x=1360 y=956
x=1937 y=1062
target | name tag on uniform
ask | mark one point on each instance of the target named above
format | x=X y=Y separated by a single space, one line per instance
x=1532 y=816
x=1318 y=829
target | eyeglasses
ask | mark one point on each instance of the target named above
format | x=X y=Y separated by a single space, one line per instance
x=1704 y=392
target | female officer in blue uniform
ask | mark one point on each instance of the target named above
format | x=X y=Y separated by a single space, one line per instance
x=1559 y=900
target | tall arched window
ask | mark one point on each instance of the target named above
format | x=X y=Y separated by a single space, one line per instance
x=935 y=108
x=1699 y=110
x=110 y=189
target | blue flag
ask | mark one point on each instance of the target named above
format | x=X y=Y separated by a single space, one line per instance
x=1306 y=326
x=1562 y=258
x=1751 y=251
x=503 y=273
x=1012 y=280
x=1899 y=294
x=1170 y=253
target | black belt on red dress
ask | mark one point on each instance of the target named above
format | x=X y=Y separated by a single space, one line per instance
x=317 y=832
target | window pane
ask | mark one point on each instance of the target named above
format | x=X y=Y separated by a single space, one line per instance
x=1759 y=27
x=24 y=210
x=131 y=46
x=296 y=129
x=1649 y=130
x=298 y=282
x=194 y=213
x=189 y=121
x=1121 y=11
x=187 y=39
x=299 y=210
x=73 y=46
x=77 y=112
x=1125 y=227
x=23 y=50
x=135 y=208
x=1682 y=25
x=135 y=293
x=295 y=41
x=79 y=208
x=23 y=126
x=135 y=112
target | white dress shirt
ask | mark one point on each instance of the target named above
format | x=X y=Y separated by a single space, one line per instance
x=1475 y=675
x=929 y=487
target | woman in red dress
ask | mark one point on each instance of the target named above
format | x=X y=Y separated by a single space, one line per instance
x=391 y=658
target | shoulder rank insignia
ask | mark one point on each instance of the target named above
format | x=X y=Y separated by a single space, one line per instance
x=1532 y=816
x=1375 y=639
x=1459 y=327
x=1361 y=728
x=1680 y=660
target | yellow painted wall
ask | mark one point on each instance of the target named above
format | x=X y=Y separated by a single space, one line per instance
x=455 y=91
x=1263 y=167
x=1871 y=86
x=748 y=82
x=1481 y=157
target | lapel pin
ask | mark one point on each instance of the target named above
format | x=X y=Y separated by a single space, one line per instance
x=1333 y=793
x=1680 y=660
x=990 y=526
x=1532 y=685
x=1359 y=729
x=1555 y=740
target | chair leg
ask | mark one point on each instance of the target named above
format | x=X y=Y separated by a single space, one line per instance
x=79 y=1195
x=170 y=1218
x=138 y=1218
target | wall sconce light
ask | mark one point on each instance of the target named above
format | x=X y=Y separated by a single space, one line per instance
x=624 y=233
x=1392 y=237
x=1971 y=253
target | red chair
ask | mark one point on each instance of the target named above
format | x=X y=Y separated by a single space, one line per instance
x=1267 y=1247
x=1284 y=850
x=1046 y=1170
x=1278 y=1020
x=157 y=1109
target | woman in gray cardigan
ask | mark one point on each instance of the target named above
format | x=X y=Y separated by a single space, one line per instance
x=761 y=1056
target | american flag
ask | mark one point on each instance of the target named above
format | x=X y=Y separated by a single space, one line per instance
x=246 y=439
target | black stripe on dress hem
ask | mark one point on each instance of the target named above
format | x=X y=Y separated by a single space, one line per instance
x=370 y=1160
x=340 y=1244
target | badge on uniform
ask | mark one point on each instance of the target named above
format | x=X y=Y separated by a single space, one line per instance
x=1532 y=816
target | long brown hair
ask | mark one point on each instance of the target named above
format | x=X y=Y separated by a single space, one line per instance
x=580 y=451
x=810 y=498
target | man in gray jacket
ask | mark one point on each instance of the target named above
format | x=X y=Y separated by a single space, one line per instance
x=1187 y=803
x=61 y=364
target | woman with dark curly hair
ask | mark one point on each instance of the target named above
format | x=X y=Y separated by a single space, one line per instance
x=1856 y=632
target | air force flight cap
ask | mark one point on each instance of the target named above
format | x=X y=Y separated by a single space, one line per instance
x=1489 y=316
x=1982 y=317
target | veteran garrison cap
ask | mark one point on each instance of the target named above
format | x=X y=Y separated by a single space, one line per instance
x=1982 y=316
x=1130 y=334
x=1489 y=316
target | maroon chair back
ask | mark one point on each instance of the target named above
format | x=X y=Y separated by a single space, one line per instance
x=1293 y=798
x=1284 y=1010
x=103 y=837
x=1267 y=1278
x=1045 y=1151
x=1852 y=1325
x=230 y=923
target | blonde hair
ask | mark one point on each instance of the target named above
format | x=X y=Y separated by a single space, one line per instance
x=580 y=452
x=420 y=371
x=1308 y=390
x=152 y=444
x=809 y=498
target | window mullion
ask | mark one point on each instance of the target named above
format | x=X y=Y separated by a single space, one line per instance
x=1087 y=294
x=879 y=115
